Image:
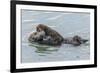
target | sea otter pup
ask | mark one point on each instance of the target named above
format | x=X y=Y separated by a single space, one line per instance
x=40 y=38
x=48 y=36
x=36 y=36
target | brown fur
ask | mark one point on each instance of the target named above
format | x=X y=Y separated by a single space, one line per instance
x=56 y=37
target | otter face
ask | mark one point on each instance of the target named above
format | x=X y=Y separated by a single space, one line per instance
x=36 y=36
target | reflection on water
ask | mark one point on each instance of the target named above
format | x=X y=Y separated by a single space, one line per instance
x=67 y=24
x=43 y=50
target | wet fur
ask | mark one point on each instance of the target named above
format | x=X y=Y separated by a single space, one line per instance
x=46 y=35
x=56 y=38
x=36 y=36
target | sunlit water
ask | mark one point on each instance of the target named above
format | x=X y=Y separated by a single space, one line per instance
x=67 y=24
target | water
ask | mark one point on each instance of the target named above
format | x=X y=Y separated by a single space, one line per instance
x=67 y=24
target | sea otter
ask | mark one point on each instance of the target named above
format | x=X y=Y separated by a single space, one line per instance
x=48 y=36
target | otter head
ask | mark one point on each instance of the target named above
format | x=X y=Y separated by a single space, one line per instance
x=41 y=27
x=36 y=36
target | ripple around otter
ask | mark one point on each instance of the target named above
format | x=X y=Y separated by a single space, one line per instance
x=68 y=24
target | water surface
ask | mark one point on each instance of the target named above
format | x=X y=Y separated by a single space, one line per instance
x=67 y=24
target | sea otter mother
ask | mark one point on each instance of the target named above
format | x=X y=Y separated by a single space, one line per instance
x=48 y=36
